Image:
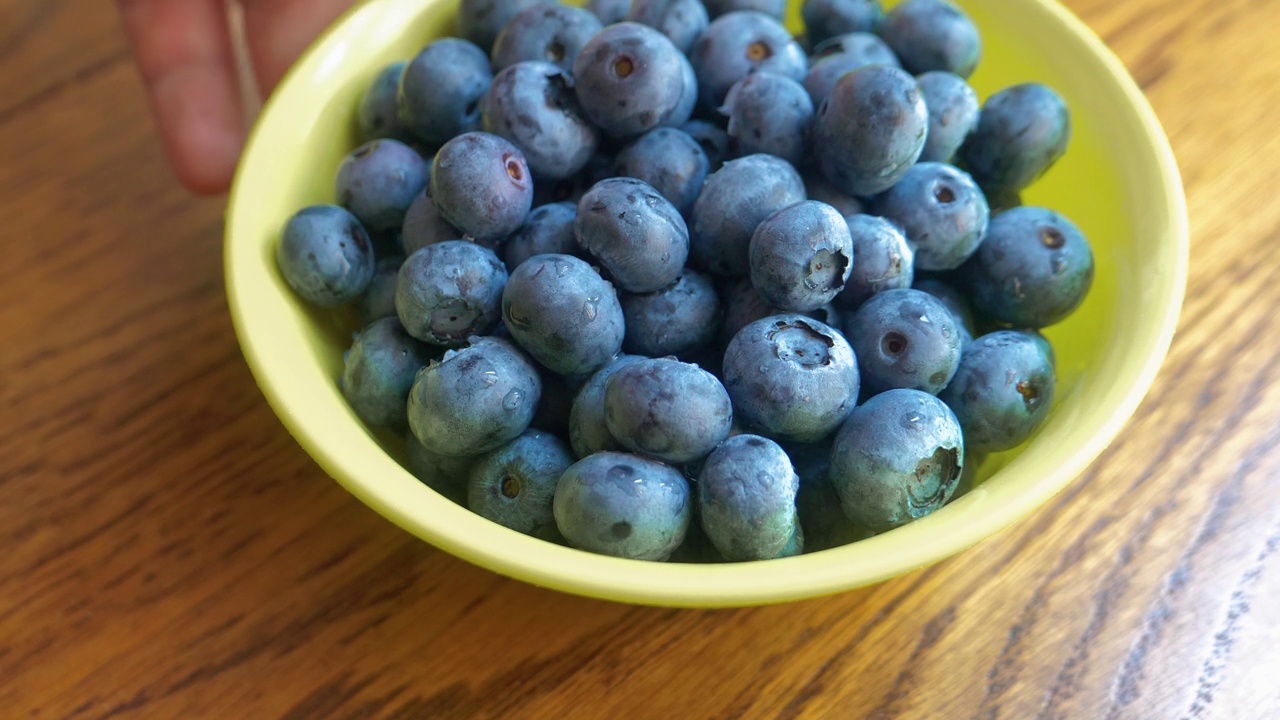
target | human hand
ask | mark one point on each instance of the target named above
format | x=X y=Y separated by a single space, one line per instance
x=183 y=50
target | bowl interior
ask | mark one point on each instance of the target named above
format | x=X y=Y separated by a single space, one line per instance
x=1118 y=182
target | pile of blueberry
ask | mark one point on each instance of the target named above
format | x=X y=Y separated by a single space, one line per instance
x=679 y=285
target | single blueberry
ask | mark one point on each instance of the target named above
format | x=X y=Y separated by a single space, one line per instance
x=378 y=371
x=623 y=505
x=588 y=432
x=563 y=313
x=1002 y=389
x=609 y=11
x=449 y=291
x=817 y=188
x=953 y=114
x=547 y=230
x=379 y=300
x=667 y=409
x=379 y=181
x=1021 y=133
x=817 y=505
x=635 y=234
x=941 y=211
x=423 y=226
x=326 y=256
x=669 y=160
x=480 y=183
x=441 y=89
x=674 y=320
x=871 y=129
x=884 y=260
x=825 y=19
x=956 y=302
x=904 y=339
x=474 y=400
x=532 y=104
x=773 y=8
x=1032 y=271
x=791 y=377
x=896 y=459
x=445 y=474
x=549 y=33
x=740 y=43
x=769 y=114
x=377 y=115
x=843 y=54
x=629 y=79
x=801 y=256
x=932 y=35
x=734 y=200
x=713 y=140
x=680 y=20
x=480 y=21
x=747 y=498
x=515 y=485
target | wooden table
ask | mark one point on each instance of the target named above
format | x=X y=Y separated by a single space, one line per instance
x=168 y=551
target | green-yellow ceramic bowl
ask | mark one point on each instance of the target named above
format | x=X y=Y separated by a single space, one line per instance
x=1118 y=182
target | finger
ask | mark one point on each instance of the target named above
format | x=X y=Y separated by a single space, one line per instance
x=279 y=30
x=183 y=51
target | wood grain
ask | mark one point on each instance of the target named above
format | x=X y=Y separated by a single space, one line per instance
x=169 y=552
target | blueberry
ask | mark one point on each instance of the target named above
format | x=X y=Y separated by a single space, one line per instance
x=957 y=303
x=480 y=21
x=441 y=90
x=673 y=320
x=623 y=505
x=738 y=44
x=884 y=260
x=932 y=35
x=609 y=11
x=588 y=432
x=1002 y=390
x=325 y=256
x=871 y=129
x=801 y=256
x=825 y=19
x=769 y=114
x=817 y=188
x=423 y=226
x=532 y=104
x=445 y=474
x=791 y=377
x=669 y=160
x=904 y=339
x=377 y=115
x=629 y=79
x=744 y=305
x=379 y=300
x=941 y=211
x=635 y=233
x=547 y=230
x=379 y=181
x=553 y=34
x=734 y=200
x=474 y=400
x=773 y=8
x=795 y=545
x=747 y=498
x=953 y=114
x=667 y=409
x=480 y=183
x=563 y=313
x=1021 y=133
x=1032 y=271
x=378 y=371
x=515 y=485
x=817 y=505
x=680 y=20
x=449 y=291
x=896 y=459
x=713 y=140
x=842 y=54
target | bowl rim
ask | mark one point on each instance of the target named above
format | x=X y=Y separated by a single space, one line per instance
x=721 y=585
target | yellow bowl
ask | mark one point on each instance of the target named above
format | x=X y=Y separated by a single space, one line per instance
x=1118 y=182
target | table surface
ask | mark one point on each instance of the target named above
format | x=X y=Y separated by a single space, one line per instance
x=168 y=551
